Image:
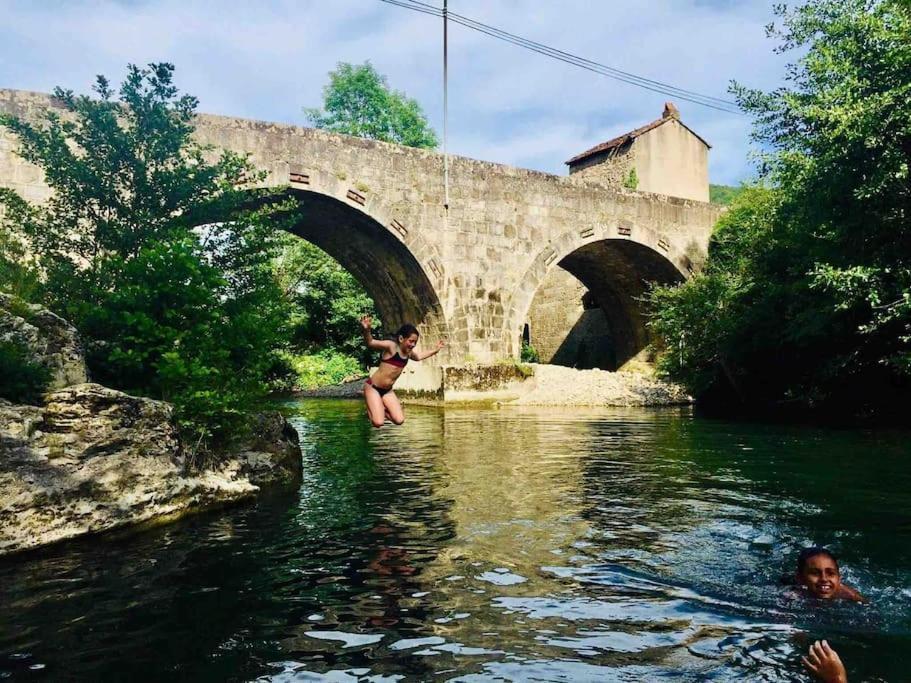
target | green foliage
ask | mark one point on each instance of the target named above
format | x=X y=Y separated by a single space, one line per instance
x=328 y=303
x=724 y=194
x=528 y=354
x=22 y=379
x=325 y=368
x=19 y=274
x=631 y=181
x=154 y=251
x=805 y=298
x=358 y=101
x=698 y=322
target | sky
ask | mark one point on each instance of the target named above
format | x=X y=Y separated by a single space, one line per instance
x=269 y=59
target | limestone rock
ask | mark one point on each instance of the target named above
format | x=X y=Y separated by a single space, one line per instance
x=95 y=459
x=51 y=340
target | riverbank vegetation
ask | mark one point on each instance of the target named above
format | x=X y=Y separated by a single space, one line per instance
x=325 y=342
x=156 y=248
x=723 y=194
x=22 y=379
x=804 y=304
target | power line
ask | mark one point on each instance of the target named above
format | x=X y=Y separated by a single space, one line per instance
x=569 y=58
x=612 y=70
x=626 y=77
x=578 y=61
x=407 y=5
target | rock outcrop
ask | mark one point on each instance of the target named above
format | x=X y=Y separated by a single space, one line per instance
x=52 y=341
x=95 y=459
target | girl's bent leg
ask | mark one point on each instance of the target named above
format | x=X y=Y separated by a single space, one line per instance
x=376 y=411
x=394 y=408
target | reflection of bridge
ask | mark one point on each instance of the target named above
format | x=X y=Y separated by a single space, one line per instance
x=470 y=273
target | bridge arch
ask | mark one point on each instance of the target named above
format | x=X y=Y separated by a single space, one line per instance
x=398 y=268
x=615 y=264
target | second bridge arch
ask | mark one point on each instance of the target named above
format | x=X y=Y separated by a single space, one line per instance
x=586 y=308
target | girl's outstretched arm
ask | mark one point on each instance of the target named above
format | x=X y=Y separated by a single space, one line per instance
x=374 y=344
x=421 y=355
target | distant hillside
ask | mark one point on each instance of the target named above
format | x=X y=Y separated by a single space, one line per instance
x=723 y=194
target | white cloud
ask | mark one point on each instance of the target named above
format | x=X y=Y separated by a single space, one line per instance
x=268 y=60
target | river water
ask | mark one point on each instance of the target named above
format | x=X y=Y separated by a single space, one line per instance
x=513 y=544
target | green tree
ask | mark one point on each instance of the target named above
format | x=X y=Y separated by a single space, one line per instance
x=19 y=274
x=328 y=302
x=358 y=101
x=806 y=298
x=707 y=324
x=154 y=248
x=723 y=194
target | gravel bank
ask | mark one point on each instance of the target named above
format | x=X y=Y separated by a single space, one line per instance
x=553 y=385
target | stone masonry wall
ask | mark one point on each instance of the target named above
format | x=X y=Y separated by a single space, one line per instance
x=555 y=310
x=610 y=168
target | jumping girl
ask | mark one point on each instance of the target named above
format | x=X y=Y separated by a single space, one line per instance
x=394 y=356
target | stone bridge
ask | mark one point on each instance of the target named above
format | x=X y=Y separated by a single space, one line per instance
x=511 y=241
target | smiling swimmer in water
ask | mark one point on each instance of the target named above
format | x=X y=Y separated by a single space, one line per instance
x=394 y=356
x=818 y=573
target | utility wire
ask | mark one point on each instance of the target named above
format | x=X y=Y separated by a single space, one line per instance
x=611 y=69
x=632 y=79
x=578 y=61
x=407 y=5
x=569 y=58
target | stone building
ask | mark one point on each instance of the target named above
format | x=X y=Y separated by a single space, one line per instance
x=664 y=157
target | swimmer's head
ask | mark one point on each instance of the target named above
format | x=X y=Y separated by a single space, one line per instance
x=817 y=569
x=407 y=336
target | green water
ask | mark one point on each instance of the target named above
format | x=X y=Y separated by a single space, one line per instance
x=481 y=545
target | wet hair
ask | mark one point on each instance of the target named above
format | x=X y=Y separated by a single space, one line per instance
x=406 y=331
x=808 y=553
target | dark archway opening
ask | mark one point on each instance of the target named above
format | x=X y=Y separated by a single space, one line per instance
x=589 y=313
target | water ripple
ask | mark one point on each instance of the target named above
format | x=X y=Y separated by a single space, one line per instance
x=479 y=545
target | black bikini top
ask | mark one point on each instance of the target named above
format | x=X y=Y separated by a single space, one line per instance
x=395 y=360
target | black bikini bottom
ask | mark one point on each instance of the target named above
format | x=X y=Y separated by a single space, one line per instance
x=381 y=392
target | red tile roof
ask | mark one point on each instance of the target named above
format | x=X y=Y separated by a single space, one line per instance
x=670 y=113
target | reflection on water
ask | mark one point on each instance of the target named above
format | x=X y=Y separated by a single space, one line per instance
x=512 y=544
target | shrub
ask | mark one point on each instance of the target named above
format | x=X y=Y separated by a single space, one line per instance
x=324 y=369
x=528 y=354
x=22 y=379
